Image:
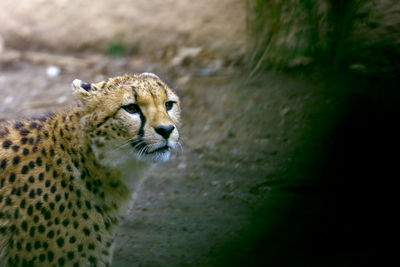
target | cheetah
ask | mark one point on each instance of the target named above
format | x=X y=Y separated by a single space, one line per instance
x=67 y=178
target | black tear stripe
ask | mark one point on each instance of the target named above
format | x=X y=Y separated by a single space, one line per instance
x=139 y=144
x=151 y=92
x=143 y=122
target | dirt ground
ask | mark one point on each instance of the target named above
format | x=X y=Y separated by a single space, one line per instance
x=137 y=26
x=277 y=170
x=270 y=175
x=236 y=133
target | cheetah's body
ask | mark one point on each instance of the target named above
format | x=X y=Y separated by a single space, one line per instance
x=61 y=189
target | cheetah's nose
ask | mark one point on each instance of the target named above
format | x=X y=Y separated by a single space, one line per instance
x=164 y=131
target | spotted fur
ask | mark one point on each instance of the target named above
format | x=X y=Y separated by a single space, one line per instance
x=67 y=178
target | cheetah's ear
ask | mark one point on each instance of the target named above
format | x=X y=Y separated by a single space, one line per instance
x=82 y=90
x=150 y=75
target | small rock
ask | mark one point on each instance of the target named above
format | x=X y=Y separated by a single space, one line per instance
x=61 y=99
x=1 y=44
x=205 y=72
x=284 y=111
x=206 y=127
x=182 y=165
x=358 y=67
x=8 y=100
x=212 y=68
x=33 y=92
x=53 y=71
x=185 y=53
x=183 y=80
x=300 y=62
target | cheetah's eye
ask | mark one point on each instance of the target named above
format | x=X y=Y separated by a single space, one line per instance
x=169 y=105
x=132 y=108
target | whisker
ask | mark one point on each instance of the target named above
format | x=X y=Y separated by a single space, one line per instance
x=133 y=138
x=128 y=142
x=121 y=146
x=141 y=151
x=180 y=146
x=150 y=147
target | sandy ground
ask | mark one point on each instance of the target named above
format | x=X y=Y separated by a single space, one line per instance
x=236 y=134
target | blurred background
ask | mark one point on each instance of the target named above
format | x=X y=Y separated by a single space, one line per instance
x=289 y=114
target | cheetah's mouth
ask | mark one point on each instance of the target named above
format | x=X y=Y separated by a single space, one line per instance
x=144 y=148
x=159 y=150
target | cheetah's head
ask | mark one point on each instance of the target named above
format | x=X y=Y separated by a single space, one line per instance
x=136 y=114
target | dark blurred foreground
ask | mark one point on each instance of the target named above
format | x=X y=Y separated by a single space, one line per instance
x=335 y=203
